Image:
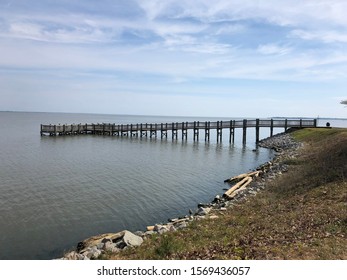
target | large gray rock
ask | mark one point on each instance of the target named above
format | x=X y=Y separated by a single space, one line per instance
x=131 y=239
x=111 y=247
x=203 y=211
x=161 y=229
x=74 y=256
x=91 y=252
x=181 y=225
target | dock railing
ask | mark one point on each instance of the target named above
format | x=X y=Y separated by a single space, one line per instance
x=151 y=129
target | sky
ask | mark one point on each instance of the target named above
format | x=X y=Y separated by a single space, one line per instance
x=220 y=58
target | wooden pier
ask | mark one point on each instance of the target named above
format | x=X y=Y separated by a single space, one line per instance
x=152 y=130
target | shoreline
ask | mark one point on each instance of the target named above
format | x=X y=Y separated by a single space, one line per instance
x=96 y=246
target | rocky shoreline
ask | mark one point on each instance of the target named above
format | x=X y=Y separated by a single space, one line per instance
x=94 y=247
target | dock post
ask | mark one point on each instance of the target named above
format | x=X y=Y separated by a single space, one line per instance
x=186 y=131
x=272 y=128
x=219 y=131
x=173 y=131
x=163 y=132
x=233 y=131
x=183 y=131
x=230 y=131
x=176 y=135
x=285 y=125
x=257 y=131
x=244 y=138
x=300 y=123
x=196 y=131
x=207 y=131
x=153 y=131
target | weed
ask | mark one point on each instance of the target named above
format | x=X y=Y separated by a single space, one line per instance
x=168 y=246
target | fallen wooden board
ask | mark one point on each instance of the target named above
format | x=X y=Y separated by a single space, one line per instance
x=242 y=176
x=243 y=187
x=244 y=182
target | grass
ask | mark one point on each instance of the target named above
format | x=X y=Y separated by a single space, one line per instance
x=300 y=215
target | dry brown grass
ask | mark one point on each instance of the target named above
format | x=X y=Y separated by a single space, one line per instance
x=301 y=215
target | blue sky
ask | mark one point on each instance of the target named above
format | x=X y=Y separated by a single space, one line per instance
x=227 y=58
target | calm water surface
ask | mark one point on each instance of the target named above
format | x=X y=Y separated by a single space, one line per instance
x=57 y=191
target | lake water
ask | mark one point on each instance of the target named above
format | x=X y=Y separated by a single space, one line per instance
x=57 y=191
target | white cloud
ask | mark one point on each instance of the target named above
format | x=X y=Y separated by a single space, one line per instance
x=273 y=49
x=330 y=36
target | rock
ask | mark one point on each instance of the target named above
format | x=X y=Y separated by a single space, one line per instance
x=213 y=217
x=203 y=211
x=204 y=205
x=198 y=218
x=181 y=225
x=73 y=256
x=139 y=233
x=172 y=228
x=131 y=239
x=91 y=252
x=148 y=233
x=92 y=246
x=217 y=199
x=111 y=247
x=161 y=229
x=95 y=240
x=150 y=228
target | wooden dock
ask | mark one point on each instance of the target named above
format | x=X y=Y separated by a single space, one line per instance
x=153 y=129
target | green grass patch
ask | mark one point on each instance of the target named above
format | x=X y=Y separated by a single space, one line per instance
x=317 y=134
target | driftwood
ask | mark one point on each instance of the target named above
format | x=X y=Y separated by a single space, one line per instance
x=242 y=176
x=246 y=179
